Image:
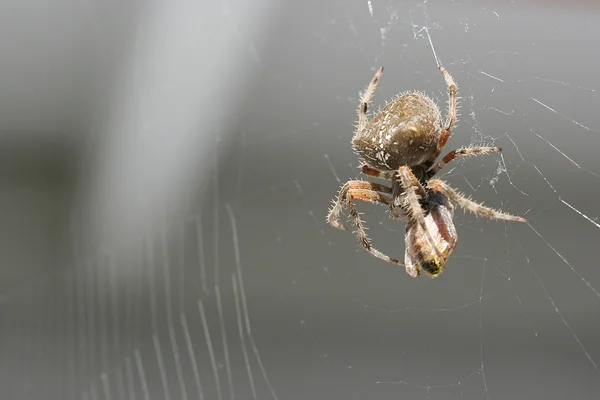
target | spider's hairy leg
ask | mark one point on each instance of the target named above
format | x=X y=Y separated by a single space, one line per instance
x=333 y=217
x=370 y=171
x=450 y=116
x=462 y=152
x=468 y=204
x=452 y=99
x=361 y=234
x=413 y=191
x=365 y=100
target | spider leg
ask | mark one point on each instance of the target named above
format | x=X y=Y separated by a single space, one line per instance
x=468 y=204
x=462 y=152
x=374 y=197
x=365 y=100
x=413 y=191
x=452 y=100
x=333 y=217
x=370 y=171
x=396 y=212
x=450 y=117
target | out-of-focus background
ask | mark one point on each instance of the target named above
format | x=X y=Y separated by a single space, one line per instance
x=166 y=168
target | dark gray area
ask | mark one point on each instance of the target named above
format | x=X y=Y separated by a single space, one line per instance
x=514 y=315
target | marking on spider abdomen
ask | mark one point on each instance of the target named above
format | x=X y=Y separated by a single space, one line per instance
x=383 y=156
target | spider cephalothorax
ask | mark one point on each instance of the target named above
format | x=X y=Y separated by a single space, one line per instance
x=401 y=143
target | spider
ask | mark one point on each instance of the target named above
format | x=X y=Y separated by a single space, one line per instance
x=401 y=143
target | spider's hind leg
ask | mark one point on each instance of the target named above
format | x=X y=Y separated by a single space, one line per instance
x=365 y=99
x=452 y=100
x=462 y=152
x=377 y=173
x=450 y=120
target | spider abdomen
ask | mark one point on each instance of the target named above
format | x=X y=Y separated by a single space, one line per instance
x=404 y=132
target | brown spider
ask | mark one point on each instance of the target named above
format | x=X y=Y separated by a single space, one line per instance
x=401 y=143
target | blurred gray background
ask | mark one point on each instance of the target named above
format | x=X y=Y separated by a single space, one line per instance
x=166 y=168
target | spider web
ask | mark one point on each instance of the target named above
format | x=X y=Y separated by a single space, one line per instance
x=253 y=296
x=514 y=267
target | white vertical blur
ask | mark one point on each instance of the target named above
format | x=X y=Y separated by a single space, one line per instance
x=172 y=99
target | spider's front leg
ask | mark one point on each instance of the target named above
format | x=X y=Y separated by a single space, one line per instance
x=366 y=191
x=333 y=217
x=407 y=198
x=361 y=233
x=468 y=204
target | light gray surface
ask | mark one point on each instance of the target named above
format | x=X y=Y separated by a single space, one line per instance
x=514 y=315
